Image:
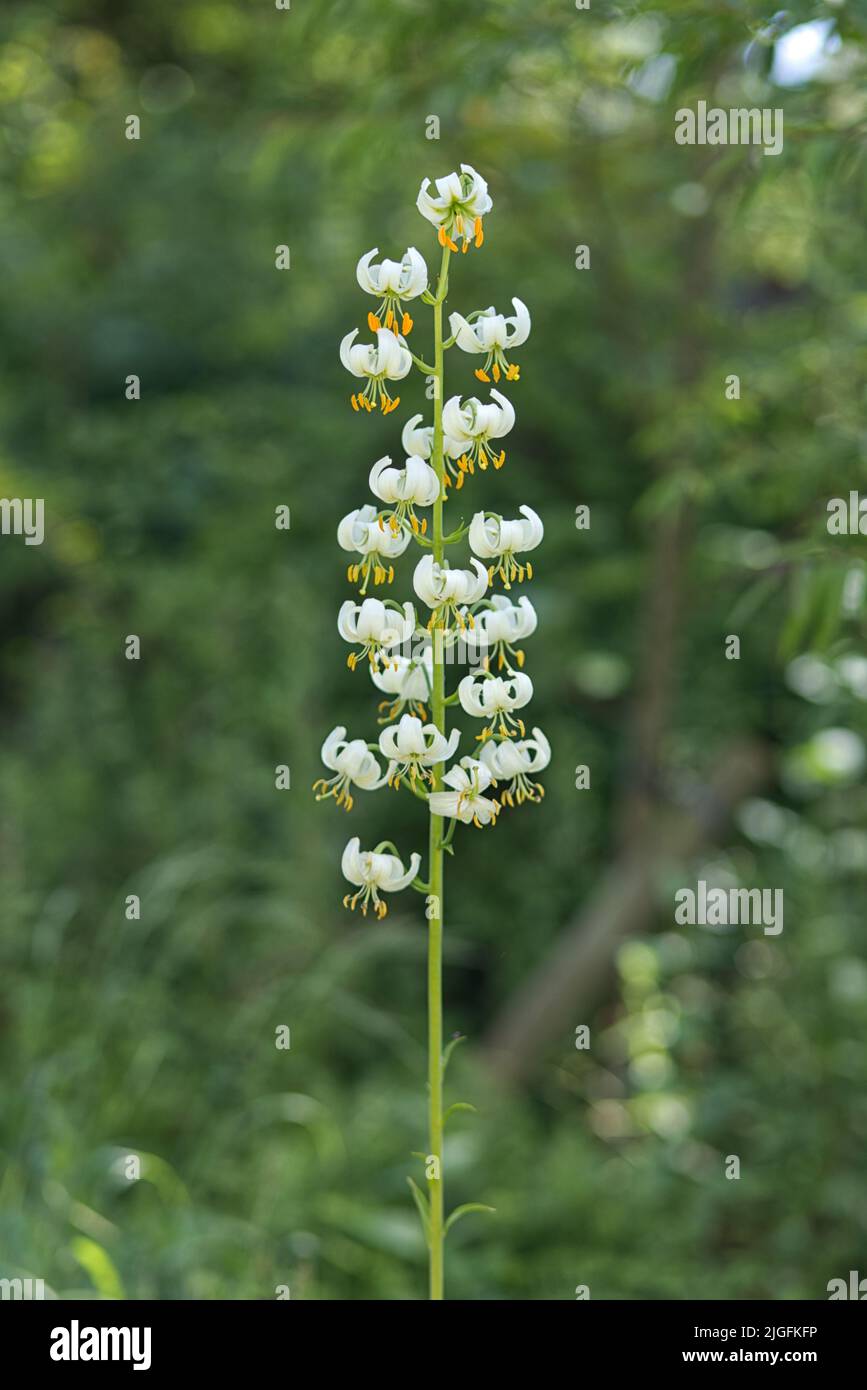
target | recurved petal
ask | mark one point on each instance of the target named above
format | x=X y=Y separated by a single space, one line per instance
x=346 y=352
x=507 y=413
x=415 y=278
x=539 y=751
x=397 y=879
x=350 y=862
x=519 y=324
x=469 y=696
x=365 y=273
x=476 y=590
x=533 y=530
x=377 y=484
x=417 y=439
x=331 y=746
x=347 y=621
x=464 y=334
x=520 y=689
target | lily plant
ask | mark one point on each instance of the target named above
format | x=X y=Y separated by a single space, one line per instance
x=406 y=651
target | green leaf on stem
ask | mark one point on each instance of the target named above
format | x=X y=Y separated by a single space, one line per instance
x=459 y=1105
x=462 y=1211
x=450 y=1049
x=423 y=1207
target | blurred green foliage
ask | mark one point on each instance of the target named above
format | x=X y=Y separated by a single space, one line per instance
x=263 y=1167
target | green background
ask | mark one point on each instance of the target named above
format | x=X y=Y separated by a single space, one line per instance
x=262 y=1167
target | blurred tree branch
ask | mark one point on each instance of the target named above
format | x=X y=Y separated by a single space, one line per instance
x=568 y=983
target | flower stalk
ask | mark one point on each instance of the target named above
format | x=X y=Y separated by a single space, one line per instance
x=406 y=655
x=436 y=906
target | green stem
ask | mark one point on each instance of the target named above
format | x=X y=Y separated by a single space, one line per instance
x=435 y=921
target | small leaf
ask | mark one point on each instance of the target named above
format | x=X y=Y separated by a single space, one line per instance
x=423 y=1208
x=450 y=1049
x=459 y=1105
x=462 y=1211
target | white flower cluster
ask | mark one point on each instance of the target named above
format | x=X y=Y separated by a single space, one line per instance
x=404 y=653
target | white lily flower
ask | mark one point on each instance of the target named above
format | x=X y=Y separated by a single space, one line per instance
x=499 y=625
x=496 y=698
x=443 y=589
x=413 y=747
x=409 y=679
x=465 y=802
x=515 y=761
x=376 y=626
x=417 y=439
x=353 y=763
x=469 y=429
x=389 y=359
x=373 y=872
x=363 y=532
x=416 y=485
x=393 y=282
x=492 y=538
x=457 y=209
x=493 y=334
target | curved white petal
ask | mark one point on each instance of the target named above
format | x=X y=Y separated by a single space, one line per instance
x=464 y=334
x=398 y=880
x=533 y=530
x=539 y=751
x=363 y=272
x=346 y=352
x=520 y=324
x=469 y=696
x=381 y=466
x=331 y=746
x=350 y=862
x=415 y=277
x=417 y=440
